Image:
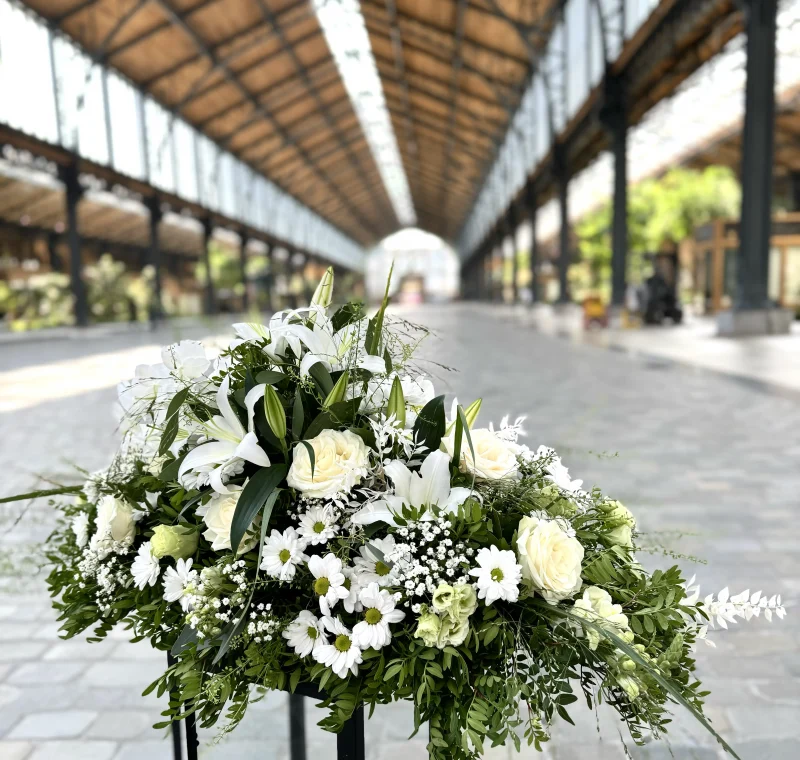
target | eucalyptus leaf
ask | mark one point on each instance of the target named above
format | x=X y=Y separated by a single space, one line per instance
x=253 y=498
x=430 y=425
x=270 y=377
x=172 y=419
x=185 y=638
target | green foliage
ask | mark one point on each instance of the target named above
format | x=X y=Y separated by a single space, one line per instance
x=667 y=209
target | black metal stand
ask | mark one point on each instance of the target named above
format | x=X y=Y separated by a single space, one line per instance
x=349 y=743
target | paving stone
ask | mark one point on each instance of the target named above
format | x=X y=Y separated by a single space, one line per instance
x=121 y=724
x=74 y=750
x=18 y=651
x=45 y=673
x=149 y=750
x=123 y=672
x=77 y=649
x=11 y=750
x=59 y=724
x=14 y=631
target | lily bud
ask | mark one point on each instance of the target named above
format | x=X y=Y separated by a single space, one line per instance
x=397 y=403
x=324 y=292
x=276 y=416
x=338 y=391
x=471 y=412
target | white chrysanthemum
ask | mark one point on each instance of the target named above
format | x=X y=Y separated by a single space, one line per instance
x=80 y=527
x=329 y=584
x=283 y=552
x=373 y=566
x=304 y=634
x=180 y=583
x=379 y=610
x=145 y=568
x=317 y=526
x=498 y=575
x=343 y=654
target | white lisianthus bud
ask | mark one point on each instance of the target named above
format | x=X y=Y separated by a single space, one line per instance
x=550 y=557
x=597 y=605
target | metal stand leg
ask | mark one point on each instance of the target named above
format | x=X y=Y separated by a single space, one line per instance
x=191 y=738
x=350 y=742
x=177 y=742
x=297 y=728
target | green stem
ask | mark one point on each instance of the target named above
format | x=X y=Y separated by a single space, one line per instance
x=40 y=494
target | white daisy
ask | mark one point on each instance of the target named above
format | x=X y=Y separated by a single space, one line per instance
x=80 y=527
x=304 y=634
x=317 y=526
x=180 y=583
x=343 y=654
x=329 y=584
x=498 y=575
x=145 y=568
x=283 y=552
x=373 y=565
x=352 y=582
x=379 y=610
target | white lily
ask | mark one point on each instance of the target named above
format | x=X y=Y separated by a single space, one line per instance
x=231 y=444
x=427 y=488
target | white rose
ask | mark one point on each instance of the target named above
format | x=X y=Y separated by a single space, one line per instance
x=340 y=461
x=598 y=606
x=218 y=515
x=622 y=535
x=495 y=458
x=114 y=524
x=550 y=558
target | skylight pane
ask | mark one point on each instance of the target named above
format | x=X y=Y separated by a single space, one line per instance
x=346 y=34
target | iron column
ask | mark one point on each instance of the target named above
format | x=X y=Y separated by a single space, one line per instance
x=243 y=270
x=757 y=154
x=154 y=259
x=210 y=300
x=562 y=178
x=530 y=202
x=73 y=193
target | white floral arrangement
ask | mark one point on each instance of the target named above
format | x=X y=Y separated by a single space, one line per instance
x=305 y=510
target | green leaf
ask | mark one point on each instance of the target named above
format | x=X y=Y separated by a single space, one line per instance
x=186 y=637
x=376 y=323
x=233 y=630
x=460 y=415
x=270 y=377
x=472 y=411
x=253 y=498
x=171 y=425
x=170 y=470
x=311 y=456
x=275 y=414
x=397 y=403
x=347 y=315
x=344 y=412
x=321 y=422
x=298 y=415
x=321 y=377
x=338 y=391
x=654 y=673
x=458 y=434
x=387 y=360
x=430 y=425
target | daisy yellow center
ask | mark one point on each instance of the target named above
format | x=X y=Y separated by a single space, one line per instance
x=497 y=574
x=321 y=586
x=312 y=632
x=342 y=643
x=319 y=526
x=381 y=569
x=284 y=556
x=373 y=616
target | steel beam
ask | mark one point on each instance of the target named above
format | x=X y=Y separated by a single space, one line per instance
x=154 y=259
x=533 y=259
x=757 y=153
x=210 y=298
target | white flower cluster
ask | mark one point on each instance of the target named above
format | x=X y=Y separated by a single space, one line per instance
x=210 y=611
x=262 y=625
x=726 y=608
x=426 y=557
x=106 y=572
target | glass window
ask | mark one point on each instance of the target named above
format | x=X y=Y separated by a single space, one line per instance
x=791 y=288
x=555 y=74
x=577 y=44
x=159 y=145
x=185 y=160
x=774 y=276
x=25 y=47
x=126 y=127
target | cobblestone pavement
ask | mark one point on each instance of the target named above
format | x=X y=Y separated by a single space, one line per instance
x=690 y=451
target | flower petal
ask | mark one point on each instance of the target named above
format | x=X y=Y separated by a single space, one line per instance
x=250 y=450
